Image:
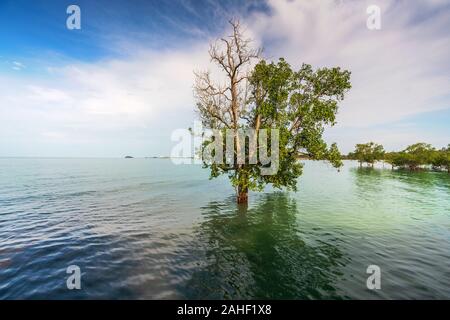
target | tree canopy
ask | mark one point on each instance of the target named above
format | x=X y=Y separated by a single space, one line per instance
x=272 y=96
x=441 y=159
x=414 y=157
x=367 y=153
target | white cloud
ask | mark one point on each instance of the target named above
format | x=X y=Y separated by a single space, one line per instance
x=393 y=137
x=47 y=95
x=17 y=65
x=131 y=92
x=109 y=103
x=398 y=71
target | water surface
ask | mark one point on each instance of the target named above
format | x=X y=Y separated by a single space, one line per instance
x=148 y=229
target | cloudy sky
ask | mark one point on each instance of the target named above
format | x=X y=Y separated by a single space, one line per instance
x=123 y=83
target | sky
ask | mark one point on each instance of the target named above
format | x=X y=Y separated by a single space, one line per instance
x=122 y=83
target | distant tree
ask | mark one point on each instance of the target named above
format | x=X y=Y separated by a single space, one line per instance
x=418 y=154
x=269 y=96
x=349 y=156
x=396 y=159
x=389 y=157
x=441 y=159
x=368 y=153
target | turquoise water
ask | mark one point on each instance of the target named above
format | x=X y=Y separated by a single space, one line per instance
x=145 y=228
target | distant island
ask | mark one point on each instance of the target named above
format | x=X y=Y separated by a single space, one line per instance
x=129 y=157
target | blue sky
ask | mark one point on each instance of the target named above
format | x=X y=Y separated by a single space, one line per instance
x=123 y=83
x=41 y=25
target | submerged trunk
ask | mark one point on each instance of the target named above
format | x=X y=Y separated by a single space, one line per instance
x=242 y=196
x=242 y=188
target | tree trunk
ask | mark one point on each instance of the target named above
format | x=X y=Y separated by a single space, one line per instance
x=242 y=196
x=242 y=190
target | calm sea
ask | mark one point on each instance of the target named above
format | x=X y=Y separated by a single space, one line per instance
x=148 y=229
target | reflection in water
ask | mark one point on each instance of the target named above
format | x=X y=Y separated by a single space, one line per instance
x=147 y=229
x=259 y=253
x=368 y=180
x=369 y=177
x=423 y=179
x=397 y=196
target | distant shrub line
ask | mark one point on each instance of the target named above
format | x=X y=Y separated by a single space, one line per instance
x=415 y=157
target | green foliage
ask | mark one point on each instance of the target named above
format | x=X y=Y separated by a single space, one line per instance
x=415 y=156
x=441 y=159
x=298 y=103
x=396 y=159
x=368 y=153
x=418 y=154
